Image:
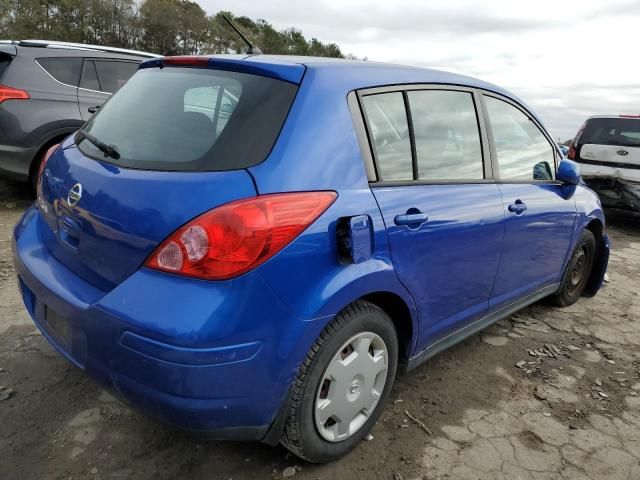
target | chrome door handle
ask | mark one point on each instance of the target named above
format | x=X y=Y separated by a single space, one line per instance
x=411 y=219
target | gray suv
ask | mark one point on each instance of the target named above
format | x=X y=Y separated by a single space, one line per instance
x=48 y=90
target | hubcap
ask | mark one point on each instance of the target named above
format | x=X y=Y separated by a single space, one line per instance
x=351 y=386
x=578 y=267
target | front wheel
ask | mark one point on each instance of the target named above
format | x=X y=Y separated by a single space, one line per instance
x=578 y=271
x=342 y=385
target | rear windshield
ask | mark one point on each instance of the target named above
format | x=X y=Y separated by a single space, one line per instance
x=191 y=120
x=623 y=132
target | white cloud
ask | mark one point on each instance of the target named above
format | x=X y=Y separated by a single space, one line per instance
x=567 y=60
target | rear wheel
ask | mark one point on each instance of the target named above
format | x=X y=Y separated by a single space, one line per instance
x=343 y=384
x=34 y=169
x=578 y=271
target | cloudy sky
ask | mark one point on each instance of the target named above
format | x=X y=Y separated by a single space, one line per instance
x=567 y=59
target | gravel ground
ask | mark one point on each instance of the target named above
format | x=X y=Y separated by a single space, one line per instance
x=547 y=394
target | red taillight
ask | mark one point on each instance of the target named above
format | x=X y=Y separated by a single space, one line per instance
x=10 y=93
x=629 y=116
x=187 y=61
x=237 y=237
x=46 y=157
x=571 y=155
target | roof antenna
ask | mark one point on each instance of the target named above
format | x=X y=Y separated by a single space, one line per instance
x=13 y=42
x=252 y=50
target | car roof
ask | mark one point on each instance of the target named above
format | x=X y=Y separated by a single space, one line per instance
x=351 y=75
x=629 y=117
x=403 y=73
x=52 y=48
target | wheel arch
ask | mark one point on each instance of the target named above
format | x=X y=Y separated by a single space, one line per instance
x=601 y=258
x=397 y=304
x=45 y=143
x=400 y=313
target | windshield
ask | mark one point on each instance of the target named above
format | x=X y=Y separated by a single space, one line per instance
x=191 y=119
x=624 y=132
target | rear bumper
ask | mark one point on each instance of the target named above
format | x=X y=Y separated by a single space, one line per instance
x=198 y=355
x=616 y=192
x=608 y=171
x=15 y=162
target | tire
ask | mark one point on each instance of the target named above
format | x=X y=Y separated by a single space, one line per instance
x=33 y=172
x=34 y=168
x=578 y=271
x=304 y=432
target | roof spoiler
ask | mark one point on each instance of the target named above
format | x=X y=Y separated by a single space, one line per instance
x=288 y=72
x=8 y=49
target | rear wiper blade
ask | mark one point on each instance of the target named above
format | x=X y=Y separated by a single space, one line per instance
x=108 y=150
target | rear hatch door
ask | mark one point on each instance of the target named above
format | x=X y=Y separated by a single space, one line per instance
x=184 y=137
x=123 y=214
x=613 y=142
x=611 y=155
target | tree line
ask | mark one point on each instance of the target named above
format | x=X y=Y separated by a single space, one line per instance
x=167 y=27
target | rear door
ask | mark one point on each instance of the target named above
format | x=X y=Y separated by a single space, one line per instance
x=443 y=213
x=540 y=212
x=100 y=79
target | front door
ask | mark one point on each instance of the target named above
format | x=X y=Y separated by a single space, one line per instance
x=444 y=217
x=540 y=212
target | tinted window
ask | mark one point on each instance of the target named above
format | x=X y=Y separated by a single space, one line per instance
x=623 y=132
x=387 y=119
x=523 y=151
x=64 y=70
x=447 y=136
x=192 y=119
x=215 y=104
x=3 y=66
x=114 y=75
x=90 y=77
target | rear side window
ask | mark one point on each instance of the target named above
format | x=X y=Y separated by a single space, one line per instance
x=192 y=119
x=89 y=79
x=624 y=132
x=64 y=70
x=113 y=74
x=447 y=135
x=524 y=153
x=389 y=129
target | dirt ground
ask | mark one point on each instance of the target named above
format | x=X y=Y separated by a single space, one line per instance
x=547 y=394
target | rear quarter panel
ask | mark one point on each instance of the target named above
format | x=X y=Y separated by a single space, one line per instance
x=318 y=150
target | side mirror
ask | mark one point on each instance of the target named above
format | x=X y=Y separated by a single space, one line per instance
x=568 y=172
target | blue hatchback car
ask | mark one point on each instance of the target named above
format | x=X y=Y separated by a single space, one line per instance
x=254 y=246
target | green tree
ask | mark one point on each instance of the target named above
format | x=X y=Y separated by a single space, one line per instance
x=168 y=27
x=159 y=27
x=192 y=27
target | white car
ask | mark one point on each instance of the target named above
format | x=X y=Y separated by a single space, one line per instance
x=608 y=150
